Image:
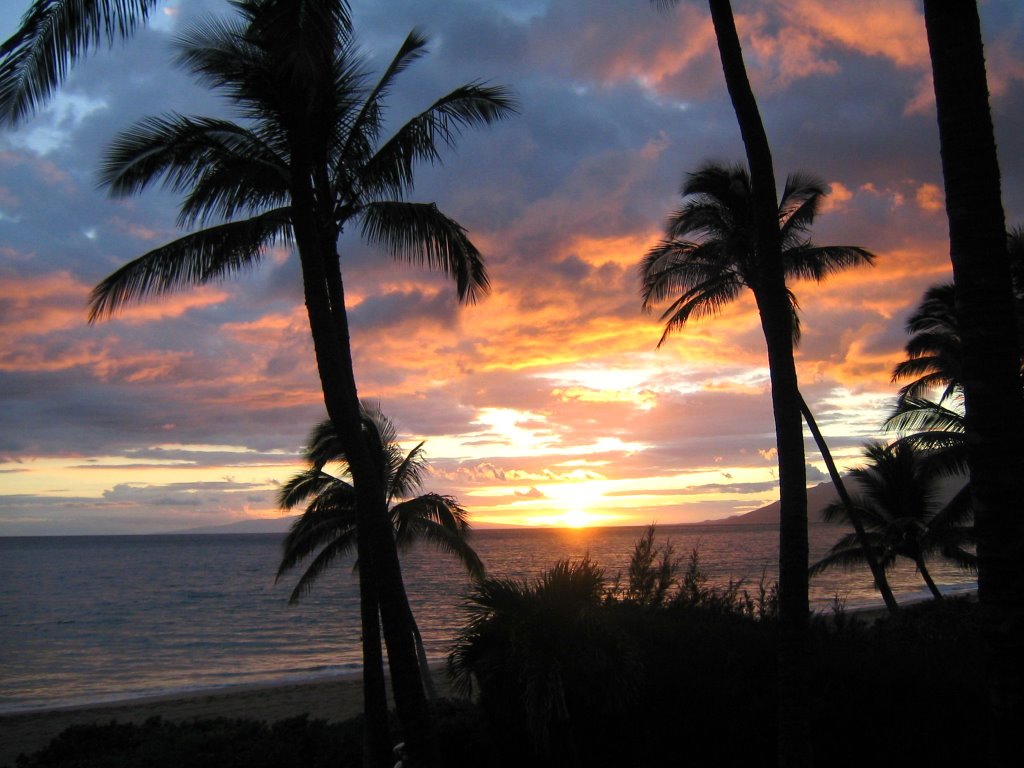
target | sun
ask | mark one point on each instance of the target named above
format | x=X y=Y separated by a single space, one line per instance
x=576 y=518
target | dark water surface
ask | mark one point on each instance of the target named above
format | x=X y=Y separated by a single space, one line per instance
x=95 y=618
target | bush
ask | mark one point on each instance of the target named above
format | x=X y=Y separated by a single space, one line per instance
x=217 y=743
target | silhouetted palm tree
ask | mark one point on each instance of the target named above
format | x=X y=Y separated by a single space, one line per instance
x=902 y=514
x=306 y=160
x=710 y=256
x=327 y=530
x=994 y=409
x=53 y=34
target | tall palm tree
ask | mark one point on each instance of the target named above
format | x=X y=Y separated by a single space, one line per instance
x=306 y=159
x=777 y=325
x=994 y=409
x=53 y=34
x=327 y=530
x=710 y=256
x=899 y=508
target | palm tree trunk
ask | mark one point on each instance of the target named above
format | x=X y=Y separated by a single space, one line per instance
x=994 y=410
x=919 y=562
x=376 y=735
x=877 y=571
x=329 y=326
x=777 y=322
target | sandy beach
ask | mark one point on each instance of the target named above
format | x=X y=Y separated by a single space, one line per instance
x=331 y=699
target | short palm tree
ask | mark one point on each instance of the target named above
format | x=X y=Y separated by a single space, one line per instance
x=328 y=530
x=902 y=515
x=307 y=157
x=551 y=669
x=710 y=256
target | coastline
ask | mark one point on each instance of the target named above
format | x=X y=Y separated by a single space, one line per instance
x=332 y=699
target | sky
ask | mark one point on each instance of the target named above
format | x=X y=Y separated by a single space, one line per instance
x=549 y=402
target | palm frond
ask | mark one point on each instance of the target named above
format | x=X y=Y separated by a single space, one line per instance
x=849 y=554
x=408 y=473
x=194 y=259
x=921 y=414
x=817 y=263
x=190 y=152
x=419 y=233
x=362 y=133
x=340 y=547
x=704 y=300
x=390 y=171
x=429 y=518
x=327 y=517
x=53 y=34
x=310 y=483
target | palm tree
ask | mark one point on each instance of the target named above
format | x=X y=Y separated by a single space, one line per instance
x=710 y=257
x=994 y=409
x=305 y=160
x=328 y=527
x=53 y=34
x=904 y=519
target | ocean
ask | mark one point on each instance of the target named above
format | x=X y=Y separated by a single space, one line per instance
x=89 y=619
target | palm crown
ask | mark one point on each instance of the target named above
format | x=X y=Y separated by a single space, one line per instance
x=900 y=509
x=328 y=525
x=236 y=176
x=709 y=254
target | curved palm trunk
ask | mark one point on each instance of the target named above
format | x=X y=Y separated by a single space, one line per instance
x=777 y=323
x=994 y=411
x=329 y=326
x=877 y=571
x=421 y=654
x=919 y=562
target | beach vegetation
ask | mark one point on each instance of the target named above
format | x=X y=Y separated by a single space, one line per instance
x=308 y=157
x=568 y=671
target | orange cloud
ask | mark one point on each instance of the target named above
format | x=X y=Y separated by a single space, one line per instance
x=931 y=198
x=893 y=29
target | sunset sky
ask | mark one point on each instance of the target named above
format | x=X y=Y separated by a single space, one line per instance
x=548 y=402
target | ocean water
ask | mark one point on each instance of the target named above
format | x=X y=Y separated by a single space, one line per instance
x=102 y=618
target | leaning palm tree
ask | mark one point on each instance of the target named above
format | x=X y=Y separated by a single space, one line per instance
x=903 y=516
x=52 y=35
x=307 y=157
x=328 y=530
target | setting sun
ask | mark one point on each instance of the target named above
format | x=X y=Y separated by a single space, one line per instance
x=577 y=518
